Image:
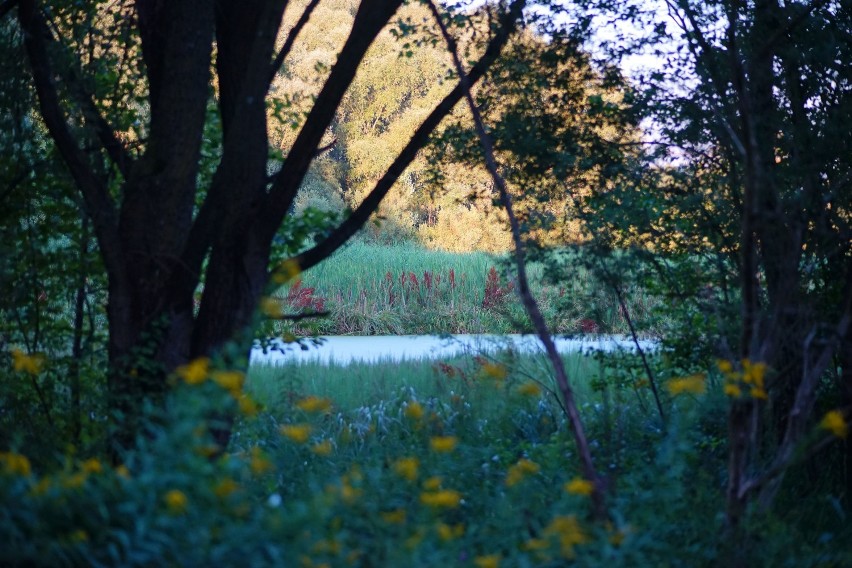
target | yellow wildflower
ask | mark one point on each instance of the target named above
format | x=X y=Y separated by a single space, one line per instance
x=395 y=517
x=176 y=501
x=286 y=271
x=314 y=404
x=323 y=448
x=443 y=444
x=495 y=371
x=753 y=373
x=579 y=486
x=15 y=464
x=122 y=471
x=407 y=468
x=248 y=406
x=231 y=381
x=258 y=462
x=535 y=544
x=270 y=307
x=732 y=390
x=225 y=488
x=91 y=466
x=298 y=433
x=758 y=392
x=414 y=410
x=487 y=561
x=834 y=422
x=520 y=470
x=194 y=372
x=529 y=389
x=693 y=384
x=443 y=499
x=724 y=366
x=567 y=529
x=432 y=483
x=449 y=532
x=30 y=364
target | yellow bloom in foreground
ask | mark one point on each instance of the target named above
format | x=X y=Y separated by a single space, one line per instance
x=449 y=532
x=732 y=390
x=443 y=444
x=30 y=364
x=488 y=561
x=693 y=384
x=395 y=517
x=529 y=389
x=406 y=468
x=248 y=406
x=495 y=371
x=15 y=464
x=298 y=433
x=758 y=392
x=414 y=410
x=834 y=422
x=258 y=462
x=567 y=529
x=579 y=486
x=176 y=501
x=323 y=448
x=286 y=271
x=443 y=499
x=92 y=466
x=433 y=483
x=225 y=488
x=122 y=471
x=231 y=381
x=753 y=373
x=270 y=307
x=535 y=544
x=314 y=404
x=194 y=372
x=724 y=365
x=520 y=470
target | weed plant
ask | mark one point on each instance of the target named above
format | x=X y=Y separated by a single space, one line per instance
x=466 y=462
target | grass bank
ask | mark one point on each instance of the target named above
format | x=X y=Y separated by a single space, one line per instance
x=373 y=289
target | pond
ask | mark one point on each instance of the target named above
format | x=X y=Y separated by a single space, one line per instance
x=342 y=350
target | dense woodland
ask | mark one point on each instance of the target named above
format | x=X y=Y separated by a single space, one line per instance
x=183 y=181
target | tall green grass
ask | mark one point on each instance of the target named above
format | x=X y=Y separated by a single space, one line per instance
x=372 y=289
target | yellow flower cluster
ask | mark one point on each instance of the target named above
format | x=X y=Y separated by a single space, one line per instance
x=231 y=381
x=568 y=531
x=441 y=499
x=270 y=307
x=487 y=561
x=449 y=532
x=406 y=468
x=30 y=364
x=834 y=422
x=194 y=372
x=414 y=410
x=298 y=433
x=15 y=464
x=286 y=271
x=579 y=486
x=314 y=404
x=258 y=462
x=529 y=389
x=176 y=501
x=748 y=383
x=323 y=448
x=495 y=371
x=225 y=488
x=521 y=470
x=443 y=444
x=693 y=384
x=395 y=517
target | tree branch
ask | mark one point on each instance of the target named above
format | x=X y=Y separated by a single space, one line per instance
x=291 y=39
x=530 y=304
x=368 y=206
x=99 y=204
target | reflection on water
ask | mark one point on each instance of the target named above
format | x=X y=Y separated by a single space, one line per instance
x=346 y=349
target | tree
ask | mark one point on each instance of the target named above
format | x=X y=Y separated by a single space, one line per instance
x=163 y=230
x=753 y=169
